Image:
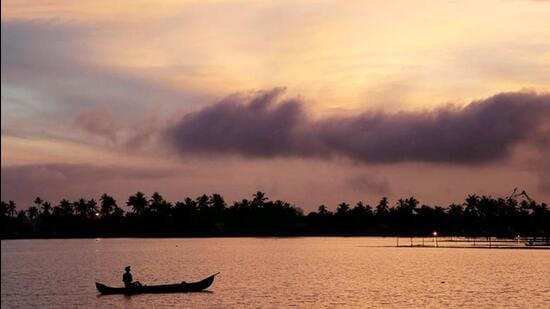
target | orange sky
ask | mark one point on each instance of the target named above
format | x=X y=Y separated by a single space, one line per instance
x=137 y=66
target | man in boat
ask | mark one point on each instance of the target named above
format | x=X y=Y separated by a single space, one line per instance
x=128 y=279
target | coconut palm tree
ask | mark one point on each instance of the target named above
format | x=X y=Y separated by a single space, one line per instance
x=217 y=202
x=382 y=209
x=91 y=209
x=11 y=209
x=322 y=210
x=81 y=207
x=159 y=205
x=107 y=205
x=38 y=201
x=258 y=199
x=65 y=208
x=3 y=209
x=46 y=208
x=343 y=209
x=32 y=212
x=138 y=202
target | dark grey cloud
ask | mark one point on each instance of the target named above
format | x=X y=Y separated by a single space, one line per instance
x=263 y=125
x=255 y=125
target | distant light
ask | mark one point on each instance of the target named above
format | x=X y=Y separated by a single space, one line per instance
x=97 y=214
x=435 y=233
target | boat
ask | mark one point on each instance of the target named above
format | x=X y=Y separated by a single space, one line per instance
x=183 y=287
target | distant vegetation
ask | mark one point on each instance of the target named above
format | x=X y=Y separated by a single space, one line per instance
x=209 y=215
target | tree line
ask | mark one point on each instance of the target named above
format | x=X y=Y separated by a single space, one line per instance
x=210 y=215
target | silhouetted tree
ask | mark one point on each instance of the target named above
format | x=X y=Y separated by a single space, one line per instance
x=8 y=209
x=81 y=207
x=108 y=205
x=159 y=206
x=65 y=208
x=38 y=202
x=32 y=212
x=382 y=209
x=322 y=210
x=209 y=215
x=342 y=209
x=138 y=202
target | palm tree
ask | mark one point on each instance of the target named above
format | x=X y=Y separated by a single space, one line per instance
x=412 y=203
x=190 y=204
x=342 y=209
x=32 y=212
x=217 y=201
x=383 y=208
x=159 y=205
x=8 y=209
x=107 y=205
x=322 y=210
x=360 y=207
x=156 y=198
x=156 y=202
x=65 y=208
x=259 y=199
x=218 y=206
x=202 y=203
x=138 y=202
x=11 y=209
x=91 y=209
x=38 y=201
x=455 y=210
x=3 y=209
x=362 y=210
x=405 y=207
x=81 y=207
x=117 y=212
x=46 y=208
x=471 y=203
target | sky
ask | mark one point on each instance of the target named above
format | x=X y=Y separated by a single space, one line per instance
x=312 y=102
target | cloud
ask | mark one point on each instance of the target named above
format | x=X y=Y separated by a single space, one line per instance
x=132 y=134
x=263 y=125
x=370 y=184
x=22 y=183
x=254 y=125
x=98 y=121
x=52 y=70
x=61 y=61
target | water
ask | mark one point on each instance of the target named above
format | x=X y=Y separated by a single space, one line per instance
x=313 y=272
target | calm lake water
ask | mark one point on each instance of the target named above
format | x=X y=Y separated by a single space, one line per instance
x=310 y=272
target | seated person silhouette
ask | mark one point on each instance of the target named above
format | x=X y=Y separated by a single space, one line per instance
x=128 y=280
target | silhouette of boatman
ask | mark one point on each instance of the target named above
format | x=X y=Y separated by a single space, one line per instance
x=128 y=280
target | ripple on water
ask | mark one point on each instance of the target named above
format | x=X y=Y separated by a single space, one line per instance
x=273 y=272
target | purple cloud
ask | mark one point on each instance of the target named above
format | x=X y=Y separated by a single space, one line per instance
x=52 y=181
x=259 y=125
x=263 y=125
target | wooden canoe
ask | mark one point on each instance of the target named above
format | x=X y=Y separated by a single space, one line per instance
x=183 y=287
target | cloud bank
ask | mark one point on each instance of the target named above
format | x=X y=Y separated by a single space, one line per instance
x=265 y=125
x=22 y=183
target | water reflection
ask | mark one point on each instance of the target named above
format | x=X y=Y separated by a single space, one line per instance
x=273 y=272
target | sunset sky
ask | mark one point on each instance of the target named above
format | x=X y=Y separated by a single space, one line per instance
x=309 y=101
